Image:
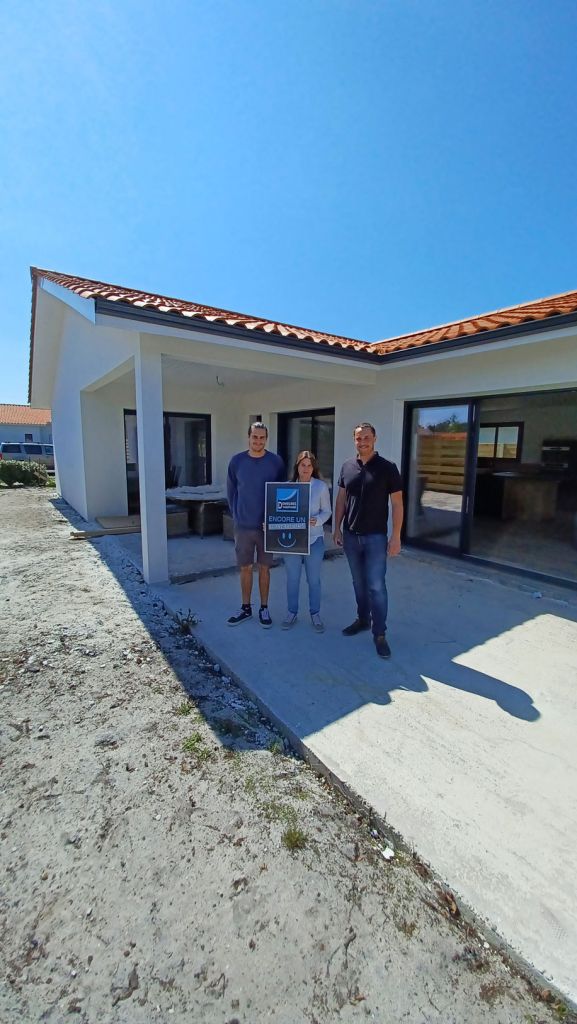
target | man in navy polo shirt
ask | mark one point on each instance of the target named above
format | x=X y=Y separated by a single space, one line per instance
x=248 y=473
x=366 y=485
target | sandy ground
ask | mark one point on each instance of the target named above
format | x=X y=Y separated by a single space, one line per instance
x=163 y=858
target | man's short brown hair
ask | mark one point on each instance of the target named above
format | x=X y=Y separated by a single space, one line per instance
x=365 y=426
x=258 y=426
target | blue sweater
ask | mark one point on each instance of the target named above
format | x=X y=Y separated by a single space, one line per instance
x=245 y=486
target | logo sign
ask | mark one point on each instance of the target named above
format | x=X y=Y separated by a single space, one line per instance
x=286 y=528
x=287 y=499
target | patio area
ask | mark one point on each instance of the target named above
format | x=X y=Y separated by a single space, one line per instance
x=463 y=742
x=192 y=558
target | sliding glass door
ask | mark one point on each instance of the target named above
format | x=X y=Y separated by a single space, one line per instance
x=187 y=452
x=495 y=479
x=438 y=474
x=313 y=430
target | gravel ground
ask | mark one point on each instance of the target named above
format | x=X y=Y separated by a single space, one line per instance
x=164 y=858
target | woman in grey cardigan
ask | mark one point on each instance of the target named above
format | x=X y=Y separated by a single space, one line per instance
x=306 y=470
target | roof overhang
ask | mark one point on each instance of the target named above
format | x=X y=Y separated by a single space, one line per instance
x=86 y=299
x=153 y=318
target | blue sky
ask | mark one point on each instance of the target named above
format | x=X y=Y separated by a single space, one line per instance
x=366 y=167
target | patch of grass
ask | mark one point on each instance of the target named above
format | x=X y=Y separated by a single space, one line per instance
x=276 y=747
x=256 y=785
x=184 y=709
x=294 y=838
x=195 y=745
x=273 y=810
x=250 y=786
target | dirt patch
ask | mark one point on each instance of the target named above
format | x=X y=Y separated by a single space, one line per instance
x=164 y=857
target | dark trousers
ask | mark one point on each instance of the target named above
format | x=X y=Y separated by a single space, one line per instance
x=367 y=558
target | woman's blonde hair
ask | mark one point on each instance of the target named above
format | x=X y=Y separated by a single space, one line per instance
x=306 y=455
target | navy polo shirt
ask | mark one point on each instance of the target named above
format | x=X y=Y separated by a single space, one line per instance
x=368 y=487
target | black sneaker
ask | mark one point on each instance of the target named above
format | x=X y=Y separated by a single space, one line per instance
x=358 y=626
x=244 y=614
x=383 y=649
x=264 y=617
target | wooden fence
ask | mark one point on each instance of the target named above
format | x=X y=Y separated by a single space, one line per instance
x=441 y=461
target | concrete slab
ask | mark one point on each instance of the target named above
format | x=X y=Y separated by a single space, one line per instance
x=191 y=556
x=464 y=741
x=188 y=555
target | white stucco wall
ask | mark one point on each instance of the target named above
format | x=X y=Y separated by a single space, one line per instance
x=103 y=433
x=102 y=418
x=87 y=354
x=95 y=383
x=550 y=363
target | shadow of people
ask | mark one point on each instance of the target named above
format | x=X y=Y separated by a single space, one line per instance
x=512 y=699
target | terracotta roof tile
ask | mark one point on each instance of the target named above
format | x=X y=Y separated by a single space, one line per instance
x=24 y=415
x=541 y=309
x=527 y=312
x=89 y=289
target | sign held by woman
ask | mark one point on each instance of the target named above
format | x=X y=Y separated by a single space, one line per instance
x=286 y=525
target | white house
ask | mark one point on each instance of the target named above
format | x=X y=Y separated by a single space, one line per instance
x=480 y=414
x=21 y=423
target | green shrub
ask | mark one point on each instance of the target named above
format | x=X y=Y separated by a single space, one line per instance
x=29 y=474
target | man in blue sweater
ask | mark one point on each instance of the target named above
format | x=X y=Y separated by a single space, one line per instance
x=248 y=472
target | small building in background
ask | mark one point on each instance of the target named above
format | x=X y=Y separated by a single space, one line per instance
x=22 y=423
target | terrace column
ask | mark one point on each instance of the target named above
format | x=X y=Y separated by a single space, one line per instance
x=150 y=433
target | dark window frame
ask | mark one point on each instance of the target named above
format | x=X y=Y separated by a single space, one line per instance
x=472 y=465
x=472 y=405
x=496 y=460
x=282 y=429
x=207 y=417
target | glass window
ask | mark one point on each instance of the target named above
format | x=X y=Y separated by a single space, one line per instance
x=313 y=430
x=187 y=453
x=186 y=441
x=11 y=449
x=487 y=437
x=436 y=477
x=507 y=442
x=33 y=449
x=500 y=441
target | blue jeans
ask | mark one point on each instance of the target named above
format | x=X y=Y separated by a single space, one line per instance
x=293 y=566
x=367 y=558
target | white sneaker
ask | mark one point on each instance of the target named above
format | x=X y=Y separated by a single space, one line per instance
x=317 y=623
x=289 y=621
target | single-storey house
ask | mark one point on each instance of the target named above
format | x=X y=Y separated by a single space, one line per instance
x=22 y=423
x=149 y=392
